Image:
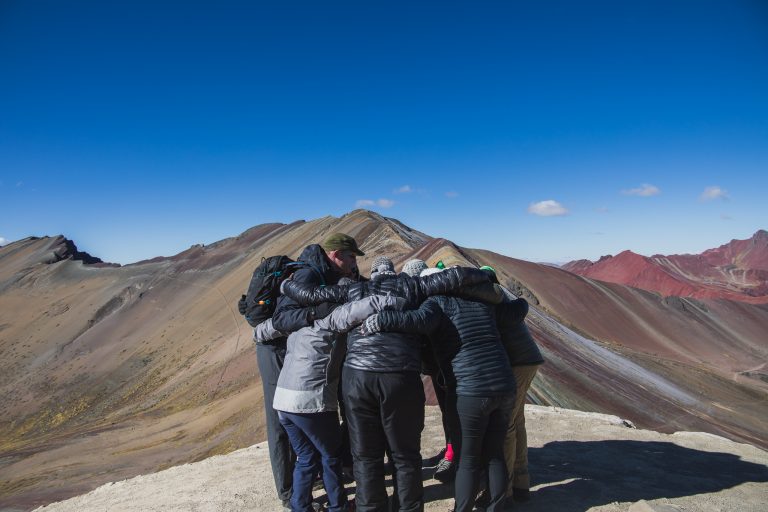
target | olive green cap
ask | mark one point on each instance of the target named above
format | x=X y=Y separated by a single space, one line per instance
x=341 y=242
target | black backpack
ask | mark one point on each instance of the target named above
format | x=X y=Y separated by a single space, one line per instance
x=258 y=304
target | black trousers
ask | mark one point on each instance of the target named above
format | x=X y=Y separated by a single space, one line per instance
x=385 y=409
x=483 y=423
x=270 y=359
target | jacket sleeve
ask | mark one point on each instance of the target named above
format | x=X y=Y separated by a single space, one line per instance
x=291 y=315
x=310 y=294
x=451 y=280
x=352 y=314
x=265 y=332
x=424 y=320
x=510 y=313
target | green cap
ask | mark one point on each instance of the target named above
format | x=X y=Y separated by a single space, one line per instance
x=341 y=242
x=440 y=264
x=488 y=267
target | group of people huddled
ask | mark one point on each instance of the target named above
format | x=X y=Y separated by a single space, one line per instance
x=340 y=361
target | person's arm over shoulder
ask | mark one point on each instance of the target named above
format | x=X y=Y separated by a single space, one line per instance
x=466 y=282
x=309 y=294
x=290 y=315
x=423 y=320
x=511 y=312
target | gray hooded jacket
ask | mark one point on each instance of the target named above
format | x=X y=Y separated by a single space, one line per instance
x=308 y=382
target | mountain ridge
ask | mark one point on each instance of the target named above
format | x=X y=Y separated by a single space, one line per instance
x=737 y=270
x=152 y=360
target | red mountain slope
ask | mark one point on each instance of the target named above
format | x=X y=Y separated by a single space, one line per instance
x=737 y=271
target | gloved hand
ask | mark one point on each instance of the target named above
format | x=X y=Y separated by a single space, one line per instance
x=242 y=305
x=371 y=325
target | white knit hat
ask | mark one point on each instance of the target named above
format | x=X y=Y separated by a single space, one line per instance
x=414 y=267
x=430 y=271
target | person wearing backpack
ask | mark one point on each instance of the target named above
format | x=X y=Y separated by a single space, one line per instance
x=320 y=265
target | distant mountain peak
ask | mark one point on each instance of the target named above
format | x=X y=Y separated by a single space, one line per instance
x=737 y=270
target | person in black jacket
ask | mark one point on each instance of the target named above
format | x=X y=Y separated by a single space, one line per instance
x=525 y=358
x=326 y=265
x=382 y=389
x=481 y=383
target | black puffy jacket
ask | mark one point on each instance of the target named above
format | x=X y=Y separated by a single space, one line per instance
x=467 y=282
x=466 y=341
x=394 y=352
x=291 y=316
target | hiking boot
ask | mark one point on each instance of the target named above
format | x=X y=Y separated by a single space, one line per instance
x=433 y=461
x=483 y=500
x=445 y=471
x=286 y=505
x=521 y=495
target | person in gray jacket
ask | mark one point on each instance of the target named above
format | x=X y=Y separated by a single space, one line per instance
x=307 y=402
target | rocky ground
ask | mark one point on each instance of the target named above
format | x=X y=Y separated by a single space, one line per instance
x=579 y=462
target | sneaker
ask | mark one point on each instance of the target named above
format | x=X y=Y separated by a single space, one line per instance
x=521 y=495
x=445 y=471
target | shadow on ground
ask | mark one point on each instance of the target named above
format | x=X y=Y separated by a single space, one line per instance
x=572 y=476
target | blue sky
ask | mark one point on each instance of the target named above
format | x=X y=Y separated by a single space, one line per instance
x=546 y=131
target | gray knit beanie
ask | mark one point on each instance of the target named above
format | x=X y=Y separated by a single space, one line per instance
x=382 y=264
x=414 y=267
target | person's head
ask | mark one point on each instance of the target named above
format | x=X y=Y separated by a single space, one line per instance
x=414 y=267
x=491 y=273
x=342 y=251
x=382 y=266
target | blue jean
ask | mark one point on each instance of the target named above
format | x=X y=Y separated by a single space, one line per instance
x=316 y=440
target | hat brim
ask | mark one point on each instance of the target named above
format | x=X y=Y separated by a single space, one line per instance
x=358 y=252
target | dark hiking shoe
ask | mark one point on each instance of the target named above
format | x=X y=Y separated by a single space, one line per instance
x=445 y=471
x=520 y=495
x=286 y=505
x=483 y=500
x=433 y=461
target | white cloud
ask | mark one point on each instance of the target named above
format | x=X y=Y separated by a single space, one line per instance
x=3 y=241
x=714 y=192
x=405 y=189
x=451 y=194
x=381 y=203
x=548 y=208
x=602 y=209
x=645 y=190
x=725 y=216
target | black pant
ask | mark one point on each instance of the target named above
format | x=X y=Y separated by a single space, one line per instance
x=270 y=359
x=385 y=409
x=438 y=385
x=483 y=425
